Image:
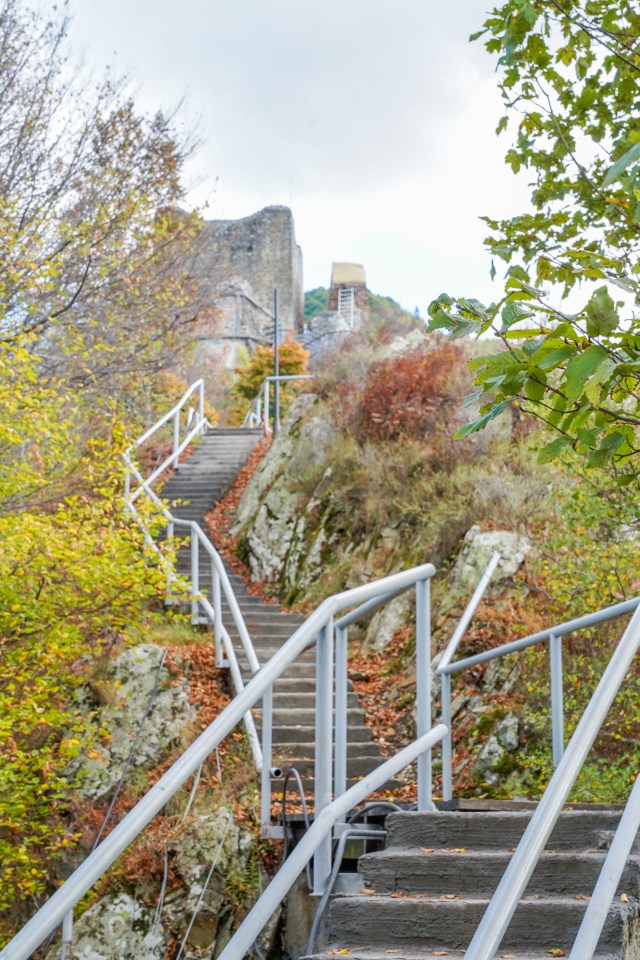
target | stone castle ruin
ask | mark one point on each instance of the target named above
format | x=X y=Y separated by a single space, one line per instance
x=243 y=261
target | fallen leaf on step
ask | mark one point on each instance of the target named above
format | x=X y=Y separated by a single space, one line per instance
x=507 y=956
x=455 y=850
x=449 y=896
x=367 y=890
x=440 y=953
x=427 y=850
x=556 y=952
x=624 y=898
x=582 y=896
x=399 y=895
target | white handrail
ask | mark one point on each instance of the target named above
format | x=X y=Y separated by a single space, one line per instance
x=258 y=413
x=80 y=882
x=244 y=937
x=199 y=386
x=503 y=904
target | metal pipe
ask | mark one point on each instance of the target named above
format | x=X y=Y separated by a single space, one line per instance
x=369 y=607
x=267 y=750
x=561 y=629
x=168 y=461
x=52 y=912
x=195 y=575
x=276 y=362
x=216 y=598
x=447 y=743
x=241 y=942
x=201 y=402
x=471 y=607
x=584 y=946
x=342 y=679
x=238 y=685
x=423 y=690
x=557 y=706
x=498 y=915
x=165 y=419
x=176 y=439
x=267 y=425
x=324 y=748
x=66 y=945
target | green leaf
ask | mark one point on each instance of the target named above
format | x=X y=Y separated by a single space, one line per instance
x=552 y=359
x=512 y=312
x=581 y=367
x=534 y=390
x=602 y=318
x=553 y=450
x=471 y=398
x=607 y=449
x=621 y=164
x=480 y=424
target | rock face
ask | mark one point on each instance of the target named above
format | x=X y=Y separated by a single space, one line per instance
x=281 y=546
x=116 y=926
x=477 y=547
x=216 y=860
x=127 y=694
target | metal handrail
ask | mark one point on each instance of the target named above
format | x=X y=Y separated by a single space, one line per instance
x=554 y=636
x=502 y=906
x=445 y=678
x=244 y=937
x=258 y=413
x=584 y=946
x=470 y=609
x=313 y=630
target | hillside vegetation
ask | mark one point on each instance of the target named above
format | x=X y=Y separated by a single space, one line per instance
x=366 y=480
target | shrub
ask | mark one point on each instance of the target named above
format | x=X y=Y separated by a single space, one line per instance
x=414 y=395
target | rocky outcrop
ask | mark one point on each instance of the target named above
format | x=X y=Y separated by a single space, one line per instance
x=141 y=709
x=477 y=547
x=280 y=544
x=216 y=860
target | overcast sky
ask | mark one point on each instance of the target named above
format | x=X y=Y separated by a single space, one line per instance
x=374 y=121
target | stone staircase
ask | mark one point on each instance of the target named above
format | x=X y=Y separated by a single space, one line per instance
x=192 y=491
x=426 y=892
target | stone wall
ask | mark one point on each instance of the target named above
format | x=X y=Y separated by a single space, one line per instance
x=244 y=260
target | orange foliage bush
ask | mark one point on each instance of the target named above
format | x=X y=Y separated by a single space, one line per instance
x=413 y=395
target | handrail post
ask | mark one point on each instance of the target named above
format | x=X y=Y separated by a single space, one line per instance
x=195 y=575
x=423 y=690
x=323 y=751
x=557 y=706
x=176 y=439
x=66 y=945
x=267 y=428
x=201 y=403
x=340 y=770
x=267 y=749
x=216 y=597
x=447 y=740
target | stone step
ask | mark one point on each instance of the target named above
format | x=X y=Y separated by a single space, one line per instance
x=479 y=872
x=298 y=734
x=429 y=923
x=407 y=953
x=575 y=829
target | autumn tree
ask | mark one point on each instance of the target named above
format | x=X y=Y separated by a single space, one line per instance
x=96 y=257
x=251 y=373
x=97 y=295
x=569 y=77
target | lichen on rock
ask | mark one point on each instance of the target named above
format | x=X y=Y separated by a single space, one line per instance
x=130 y=682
